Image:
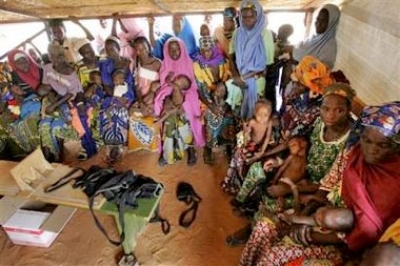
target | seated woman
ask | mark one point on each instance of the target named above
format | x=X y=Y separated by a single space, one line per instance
x=143 y=134
x=20 y=115
x=112 y=62
x=24 y=130
x=369 y=168
x=58 y=76
x=118 y=85
x=55 y=124
x=26 y=78
x=26 y=74
x=210 y=69
x=188 y=125
x=322 y=45
x=300 y=107
x=114 y=121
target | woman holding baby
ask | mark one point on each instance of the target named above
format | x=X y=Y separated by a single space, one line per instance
x=181 y=125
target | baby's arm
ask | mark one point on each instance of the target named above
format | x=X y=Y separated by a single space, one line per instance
x=297 y=219
x=165 y=115
x=282 y=169
x=267 y=139
x=247 y=130
x=169 y=108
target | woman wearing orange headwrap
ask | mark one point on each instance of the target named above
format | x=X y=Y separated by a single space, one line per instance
x=301 y=105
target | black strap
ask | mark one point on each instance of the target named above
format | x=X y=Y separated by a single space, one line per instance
x=63 y=180
x=165 y=225
x=183 y=221
x=186 y=193
x=101 y=227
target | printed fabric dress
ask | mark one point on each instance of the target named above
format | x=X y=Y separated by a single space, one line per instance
x=55 y=126
x=143 y=133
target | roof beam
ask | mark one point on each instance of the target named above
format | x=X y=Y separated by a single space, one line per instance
x=161 y=6
x=18 y=12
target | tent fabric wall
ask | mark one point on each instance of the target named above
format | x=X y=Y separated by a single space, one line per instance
x=369 y=48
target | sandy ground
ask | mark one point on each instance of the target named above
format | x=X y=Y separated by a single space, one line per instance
x=80 y=243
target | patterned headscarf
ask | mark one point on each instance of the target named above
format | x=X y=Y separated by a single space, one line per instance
x=313 y=74
x=385 y=117
x=207 y=42
x=341 y=89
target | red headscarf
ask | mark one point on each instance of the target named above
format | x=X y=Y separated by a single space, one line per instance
x=32 y=77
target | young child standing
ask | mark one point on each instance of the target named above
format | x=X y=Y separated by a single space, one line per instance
x=252 y=141
x=219 y=124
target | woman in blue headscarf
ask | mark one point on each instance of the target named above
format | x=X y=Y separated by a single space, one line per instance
x=253 y=47
x=182 y=29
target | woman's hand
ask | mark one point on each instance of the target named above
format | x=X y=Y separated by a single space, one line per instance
x=238 y=81
x=145 y=109
x=169 y=78
x=301 y=234
x=279 y=190
x=270 y=164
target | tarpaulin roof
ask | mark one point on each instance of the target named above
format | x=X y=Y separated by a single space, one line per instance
x=36 y=10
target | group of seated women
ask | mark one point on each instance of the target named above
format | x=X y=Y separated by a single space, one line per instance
x=322 y=193
x=316 y=184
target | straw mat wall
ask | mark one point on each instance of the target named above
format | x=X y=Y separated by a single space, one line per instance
x=369 y=48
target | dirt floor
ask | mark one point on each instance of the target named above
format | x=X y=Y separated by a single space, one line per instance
x=80 y=243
